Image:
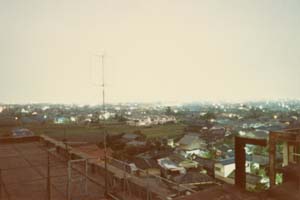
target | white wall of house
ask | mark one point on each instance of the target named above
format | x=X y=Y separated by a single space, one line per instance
x=225 y=170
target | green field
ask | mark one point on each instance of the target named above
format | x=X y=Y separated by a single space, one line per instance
x=94 y=134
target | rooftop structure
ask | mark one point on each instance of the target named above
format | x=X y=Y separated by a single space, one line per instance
x=28 y=171
x=39 y=167
x=289 y=189
x=291 y=151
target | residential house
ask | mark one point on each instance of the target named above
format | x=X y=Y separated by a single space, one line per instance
x=213 y=135
x=206 y=164
x=197 y=125
x=224 y=167
x=169 y=168
x=151 y=120
x=252 y=180
x=224 y=151
x=262 y=161
x=148 y=164
x=20 y=132
x=191 y=144
x=127 y=137
x=136 y=143
x=194 y=180
x=156 y=154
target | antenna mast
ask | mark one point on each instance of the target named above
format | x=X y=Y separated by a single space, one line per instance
x=103 y=82
x=105 y=133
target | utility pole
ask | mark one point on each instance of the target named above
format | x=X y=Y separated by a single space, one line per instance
x=48 y=177
x=105 y=166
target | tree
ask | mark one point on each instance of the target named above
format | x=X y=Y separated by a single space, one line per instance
x=208 y=116
x=169 y=111
x=210 y=154
x=254 y=113
x=120 y=118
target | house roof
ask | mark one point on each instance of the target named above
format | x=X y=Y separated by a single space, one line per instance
x=188 y=164
x=224 y=147
x=193 y=178
x=191 y=141
x=227 y=161
x=188 y=138
x=136 y=143
x=22 y=132
x=177 y=158
x=156 y=154
x=130 y=136
x=145 y=163
x=230 y=157
x=167 y=163
x=261 y=133
x=264 y=159
x=206 y=163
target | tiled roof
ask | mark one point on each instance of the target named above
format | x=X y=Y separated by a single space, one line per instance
x=193 y=178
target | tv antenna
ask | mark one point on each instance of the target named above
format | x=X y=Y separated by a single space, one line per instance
x=101 y=60
x=102 y=85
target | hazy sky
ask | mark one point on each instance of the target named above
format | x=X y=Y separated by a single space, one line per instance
x=155 y=50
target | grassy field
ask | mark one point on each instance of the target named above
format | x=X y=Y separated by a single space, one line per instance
x=94 y=134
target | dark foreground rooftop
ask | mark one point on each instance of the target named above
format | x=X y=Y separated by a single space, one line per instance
x=24 y=174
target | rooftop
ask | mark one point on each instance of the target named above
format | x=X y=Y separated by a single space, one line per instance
x=24 y=173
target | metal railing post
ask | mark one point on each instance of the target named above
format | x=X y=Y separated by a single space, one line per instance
x=48 y=177
x=0 y=183
x=69 y=181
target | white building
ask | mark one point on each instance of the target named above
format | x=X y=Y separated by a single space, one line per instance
x=226 y=167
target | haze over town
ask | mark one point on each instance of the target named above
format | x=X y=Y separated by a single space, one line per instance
x=154 y=50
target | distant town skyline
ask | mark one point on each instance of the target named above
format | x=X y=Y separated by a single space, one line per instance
x=155 y=51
